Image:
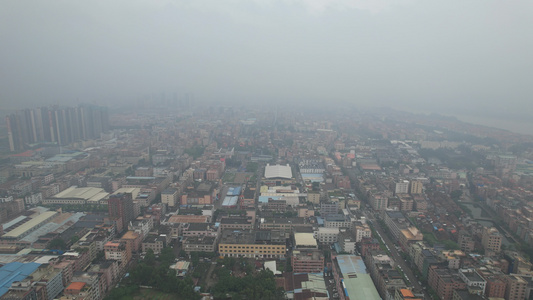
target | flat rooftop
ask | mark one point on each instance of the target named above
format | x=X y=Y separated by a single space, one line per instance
x=278 y=171
x=230 y=236
x=133 y=191
x=188 y=219
x=395 y=214
x=314 y=254
x=203 y=240
x=130 y=235
x=198 y=227
x=169 y=191
x=472 y=275
x=294 y=221
x=305 y=239
x=234 y=221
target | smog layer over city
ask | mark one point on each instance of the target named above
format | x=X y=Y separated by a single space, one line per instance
x=284 y=149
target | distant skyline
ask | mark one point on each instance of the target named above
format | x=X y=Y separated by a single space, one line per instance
x=470 y=59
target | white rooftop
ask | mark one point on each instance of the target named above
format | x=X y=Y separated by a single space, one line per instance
x=45 y=259
x=330 y=230
x=305 y=239
x=133 y=191
x=271 y=265
x=86 y=193
x=31 y=224
x=278 y=171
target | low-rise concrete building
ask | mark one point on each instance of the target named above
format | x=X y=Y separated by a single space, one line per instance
x=327 y=235
x=154 y=242
x=49 y=277
x=307 y=261
x=247 y=243
x=202 y=243
x=473 y=280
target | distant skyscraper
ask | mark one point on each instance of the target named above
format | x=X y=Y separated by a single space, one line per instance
x=121 y=206
x=55 y=125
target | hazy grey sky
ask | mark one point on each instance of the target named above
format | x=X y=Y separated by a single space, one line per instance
x=411 y=54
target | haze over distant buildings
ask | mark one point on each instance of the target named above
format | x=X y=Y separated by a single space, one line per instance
x=471 y=58
x=55 y=125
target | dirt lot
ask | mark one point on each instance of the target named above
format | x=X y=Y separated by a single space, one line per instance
x=241 y=177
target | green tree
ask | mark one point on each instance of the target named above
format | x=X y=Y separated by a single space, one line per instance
x=261 y=286
x=456 y=195
x=229 y=262
x=195 y=258
x=142 y=274
x=450 y=245
x=129 y=171
x=167 y=256
x=195 y=151
x=182 y=253
x=122 y=292
x=149 y=258
x=99 y=256
x=74 y=239
x=57 y=243
x=252 y=167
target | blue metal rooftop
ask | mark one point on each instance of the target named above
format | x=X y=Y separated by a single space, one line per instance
x=234 y=191
x=15 y=271
x=264 y=199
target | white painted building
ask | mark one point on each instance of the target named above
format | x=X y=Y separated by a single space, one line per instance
x=472 y=279
x=327 y=235
x=362 y=231
x=33 y=199
x=402 y=187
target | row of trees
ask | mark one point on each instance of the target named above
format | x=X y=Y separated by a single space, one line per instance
x=195 y=151
x=261 y=286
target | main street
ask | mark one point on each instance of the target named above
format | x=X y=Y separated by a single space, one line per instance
x=391 y=247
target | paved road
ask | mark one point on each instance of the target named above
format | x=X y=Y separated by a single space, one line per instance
x=209 y=281
x=222 y=194
x=397 y=257
x=331 y=286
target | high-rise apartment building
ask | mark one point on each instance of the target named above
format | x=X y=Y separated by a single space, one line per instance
x=61 y=125
x=121 y=206
x=169 y=197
